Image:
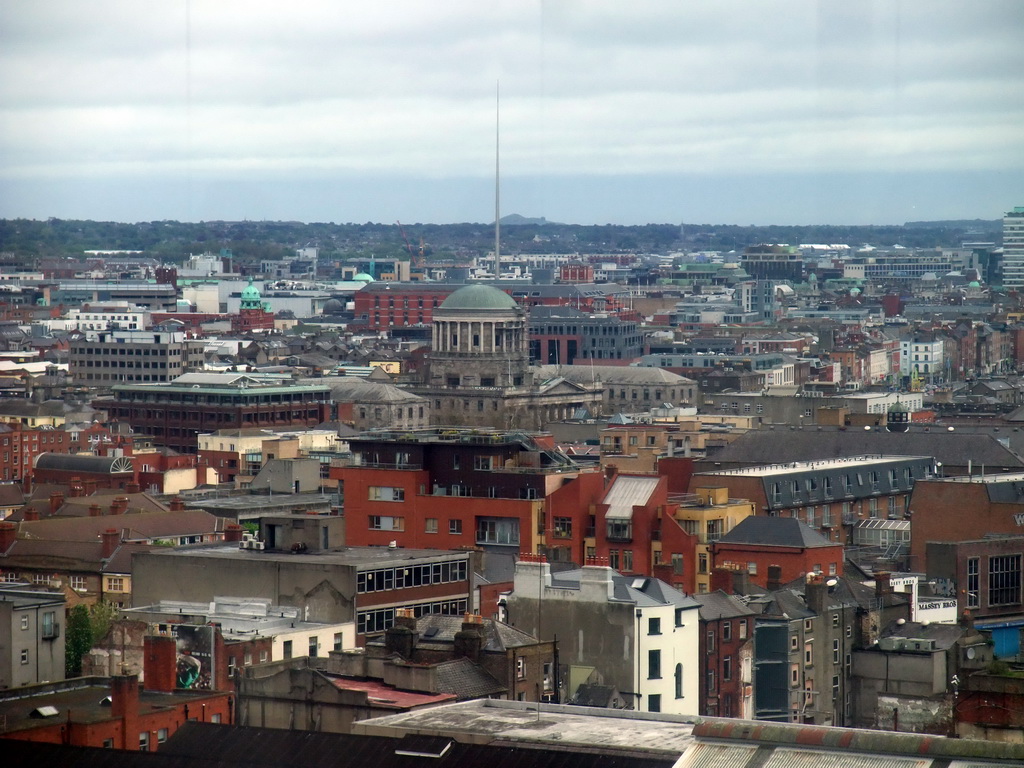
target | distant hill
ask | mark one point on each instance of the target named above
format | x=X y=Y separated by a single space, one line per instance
x=515 y=218
x=983 y=225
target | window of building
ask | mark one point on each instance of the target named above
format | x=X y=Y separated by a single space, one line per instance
x=726 y=631
x=115 y=584
x=653 y=664
x=314 y=645
x=286 y=649
x=386 y=523
x=386 y=493
x=613 y=558
x=215 y=717
x=1004 y=579
x=337 y=641
x=711 y=641
x=752 y=568
x=563 y=527
x=654 y=702
x=727 y=669
x=743 y=628
x=677 y=563
x=627 y=560
x=808 y=654
x=161 y=736
x=794 y=675
x=794 y=642
x=24 y=622
x=24 y=656
x=973 y=588
x=654 y=626
x=497 y=530
x=835 y=652
x=430 y=525
x=679 y=681
x=455 y=527
x=144 y=741
x=264 y=656
x=521 y=667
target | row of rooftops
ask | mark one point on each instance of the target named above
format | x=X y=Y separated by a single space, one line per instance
x=850 y=462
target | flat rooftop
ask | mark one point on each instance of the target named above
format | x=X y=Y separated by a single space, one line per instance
x=257 y=503
x=851 y=462
x=1006 y=477
x=518 y=722
x=344 y=556
x=78 y=701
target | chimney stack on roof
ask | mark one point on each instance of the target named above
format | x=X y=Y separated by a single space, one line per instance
x=76 y=487
x=402 y=637
x=774 y=578
x=119 y=505
x=8 y=533
x=132 y=488
x=469 y=641
x=883 y=583
x=176 y=504
x=56 y=501
x=89 y=486
x=95 y=510
x=233 y=532
x=111 y=538
x=30 y=515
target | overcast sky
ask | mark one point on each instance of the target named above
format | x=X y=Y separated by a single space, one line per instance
x=751 y=112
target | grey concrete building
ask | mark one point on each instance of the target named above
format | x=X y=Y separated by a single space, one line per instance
x=628 y=388
x=478 y=373
x=289 y=567
x=31 y=636
x=907 y=682
x=104 y=358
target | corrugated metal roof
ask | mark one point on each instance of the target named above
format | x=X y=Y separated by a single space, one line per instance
x=626 y=492
x=705 y=755
x=783 y=757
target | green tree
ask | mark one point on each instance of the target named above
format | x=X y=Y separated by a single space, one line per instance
x=101 y=615
x=78 y=641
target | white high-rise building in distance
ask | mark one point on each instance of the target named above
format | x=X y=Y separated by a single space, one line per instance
x=1013 y=248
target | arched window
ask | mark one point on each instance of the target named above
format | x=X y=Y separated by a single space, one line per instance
x=679 y=681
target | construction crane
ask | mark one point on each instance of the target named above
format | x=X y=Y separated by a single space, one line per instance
x=415 y=256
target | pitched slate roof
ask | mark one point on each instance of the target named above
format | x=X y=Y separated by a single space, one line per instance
x=781 y=445
x=626 y=375
x=141 y=525
x=775 y=532
x=466 y=680
x=720 y=605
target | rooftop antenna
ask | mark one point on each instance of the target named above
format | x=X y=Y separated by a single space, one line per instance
x=497 y=180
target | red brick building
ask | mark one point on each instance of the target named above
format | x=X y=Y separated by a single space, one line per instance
x=450 y=488
x=75 y=712
x=726 y=635
x=174 y=414
x=996 y=504
x=576 y=272
x=20 y=447
x=756 y=543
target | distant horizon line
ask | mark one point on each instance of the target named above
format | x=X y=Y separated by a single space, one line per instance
x=538 y=221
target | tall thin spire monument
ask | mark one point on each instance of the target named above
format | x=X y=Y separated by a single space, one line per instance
x=497 y=180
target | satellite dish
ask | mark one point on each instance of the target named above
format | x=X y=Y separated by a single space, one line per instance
x=901 y=622
x=831 y=582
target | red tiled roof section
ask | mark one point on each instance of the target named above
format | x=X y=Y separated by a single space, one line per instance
x=384 y=696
